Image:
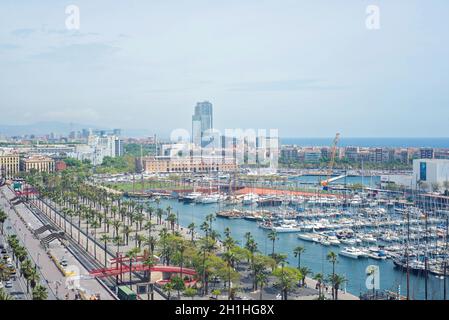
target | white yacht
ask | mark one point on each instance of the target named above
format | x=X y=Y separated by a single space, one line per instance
x=284 y=228
x=351 y=252
x=192 y=197
x=325 y=242
x=333 y=240
x=349 y=241
x=305 y=237
x=250 y=198
x=212 y=198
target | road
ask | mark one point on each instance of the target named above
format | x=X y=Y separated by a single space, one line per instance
x=60 y=287
x=18 y=290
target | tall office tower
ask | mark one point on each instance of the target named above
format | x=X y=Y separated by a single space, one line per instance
x=202 y=121
x=196 y=130
x=118 y=147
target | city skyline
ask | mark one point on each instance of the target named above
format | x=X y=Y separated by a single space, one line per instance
x=307 y=69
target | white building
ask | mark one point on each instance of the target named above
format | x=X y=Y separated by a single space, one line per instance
x=99 y=147
x=430 y=171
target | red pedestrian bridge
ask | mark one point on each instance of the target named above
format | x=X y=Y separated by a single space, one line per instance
x=123 y=268
x=26 y=192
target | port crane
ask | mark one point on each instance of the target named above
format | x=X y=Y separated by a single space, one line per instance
x=325 y=183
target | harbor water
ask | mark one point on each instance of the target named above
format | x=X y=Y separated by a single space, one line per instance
x=314 y=257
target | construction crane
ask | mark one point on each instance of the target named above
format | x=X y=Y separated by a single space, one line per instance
x=325 y=183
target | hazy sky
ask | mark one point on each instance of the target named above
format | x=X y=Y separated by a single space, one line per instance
x=307 y=68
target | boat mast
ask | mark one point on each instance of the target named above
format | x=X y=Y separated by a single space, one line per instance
x=407 y=255
x=445 y=257
x=141 y=168
x=425 y=258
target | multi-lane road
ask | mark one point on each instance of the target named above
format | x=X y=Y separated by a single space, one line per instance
x=21 y=221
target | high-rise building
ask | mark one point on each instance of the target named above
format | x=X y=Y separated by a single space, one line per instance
x=196 y=130
x=118 y=147
x=202 y=122
x=352 y=153
x=426 y=153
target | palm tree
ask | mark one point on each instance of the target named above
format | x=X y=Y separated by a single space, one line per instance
x=319 y=278
x=205 y=228
x=149 y=226
x=336 y=281
x=272 y=236
x=33 y=278
x=151 y=241
x=105 y=238
x=191 y=228
x=40 y=293
x=159 y=214
x=117 y=240
x=126 y=231
x=216 y=293
x=171 y=218
x=4 y=295
x=304 y=273
x=261 y=280
x=178 y=285
x=5 y=272
x=190 y=292
x=3 y=217
x=210 y=218
x=229 y=258
x=168 y=288
x=332 y=258
x=94 y=225
x=150 y=211
x=297 y=252
x=150 y=263
x=140 y=239
x=131 y=255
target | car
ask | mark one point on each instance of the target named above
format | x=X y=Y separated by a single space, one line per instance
x=64 y=263
x=4 y=251
x=8 y=284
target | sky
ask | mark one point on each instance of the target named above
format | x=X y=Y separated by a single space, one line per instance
x=306 y=68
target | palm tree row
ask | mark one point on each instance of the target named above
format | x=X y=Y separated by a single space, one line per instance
x=27 y=269
x=84 y=206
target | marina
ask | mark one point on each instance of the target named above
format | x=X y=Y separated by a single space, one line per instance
x=364 y=232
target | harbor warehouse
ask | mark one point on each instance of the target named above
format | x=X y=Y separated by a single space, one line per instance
x=187 y=164
x=430 y=172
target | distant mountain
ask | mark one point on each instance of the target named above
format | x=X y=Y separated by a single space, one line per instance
x=41 y=128
x=61 y=128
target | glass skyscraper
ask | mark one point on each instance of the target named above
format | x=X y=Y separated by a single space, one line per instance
x=202 y=121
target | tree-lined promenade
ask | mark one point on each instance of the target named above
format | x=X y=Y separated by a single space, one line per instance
x=22 y=262
x=105 y=224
